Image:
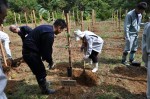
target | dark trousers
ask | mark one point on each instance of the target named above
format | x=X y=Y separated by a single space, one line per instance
x=94 y=56
x=35 y=63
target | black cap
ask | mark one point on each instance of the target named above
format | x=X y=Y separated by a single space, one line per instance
x=142 y=5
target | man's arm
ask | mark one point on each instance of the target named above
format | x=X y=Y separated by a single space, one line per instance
x=127 y=24
x=47 y=47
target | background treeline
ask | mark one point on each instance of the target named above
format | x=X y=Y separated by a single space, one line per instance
x=44 y=8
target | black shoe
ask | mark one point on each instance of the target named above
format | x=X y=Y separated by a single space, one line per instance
x=131 y=61
x=44 y=87
x=125 y=63
x=47 y=91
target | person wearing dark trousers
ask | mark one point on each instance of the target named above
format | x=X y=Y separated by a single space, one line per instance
x=131 y=28
x=37 y=47
x=22 y=31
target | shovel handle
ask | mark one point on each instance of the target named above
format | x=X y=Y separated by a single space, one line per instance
x=3 y=54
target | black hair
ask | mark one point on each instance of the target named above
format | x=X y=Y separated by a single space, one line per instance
x=3 y=3
x=142 y=6
x=61 y=23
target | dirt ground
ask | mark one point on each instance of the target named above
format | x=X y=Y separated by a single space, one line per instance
x=112 y=81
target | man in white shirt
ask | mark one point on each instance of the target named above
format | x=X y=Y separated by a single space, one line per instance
x=5 y=41
x=3 y=79
x=93 y=44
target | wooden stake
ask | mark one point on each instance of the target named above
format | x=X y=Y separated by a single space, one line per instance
x=41 y=19
x=19 y=18
x=15 y=18
x=62 y=16
x=70 y=21
x=82 y=28
x=93 y=19
x=112 y=17
x=25 y=15
x=49 y=17
x=120 y=20
x=56 y=15
x=53 y=17
x=34 y=18
x=117 y=20
x=3 y=54
x=68 y=37
x=77 y=20
x=89 y=25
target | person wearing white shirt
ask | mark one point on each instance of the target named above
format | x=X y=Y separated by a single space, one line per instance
x=3 y=79
x=93 y=44
x=5 y=41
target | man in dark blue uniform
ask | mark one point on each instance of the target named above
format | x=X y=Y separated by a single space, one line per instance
x=22 y=31
x=37 y=47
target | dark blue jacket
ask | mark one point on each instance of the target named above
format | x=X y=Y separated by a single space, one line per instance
x=40 y=41
x=24 y=31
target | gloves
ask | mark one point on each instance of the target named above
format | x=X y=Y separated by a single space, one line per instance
x=9 y=61
x=86 y=57
x=51 y=65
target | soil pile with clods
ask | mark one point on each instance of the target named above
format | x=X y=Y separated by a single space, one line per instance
x=85 y=77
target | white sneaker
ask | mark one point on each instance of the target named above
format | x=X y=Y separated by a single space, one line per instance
x=94 y=70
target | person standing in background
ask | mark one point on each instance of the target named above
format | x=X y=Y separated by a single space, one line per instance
x=131 y=29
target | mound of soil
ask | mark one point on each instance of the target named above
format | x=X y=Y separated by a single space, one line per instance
x=85 y=77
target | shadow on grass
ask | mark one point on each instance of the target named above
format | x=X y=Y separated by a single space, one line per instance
x=130 y=71
x=109 y=91
x=22 y=90
x=109 y=60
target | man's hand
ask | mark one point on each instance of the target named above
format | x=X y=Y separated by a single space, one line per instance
x=9 y=61
x=51 y=65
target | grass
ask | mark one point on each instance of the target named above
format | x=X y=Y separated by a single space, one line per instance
x=110 y=87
